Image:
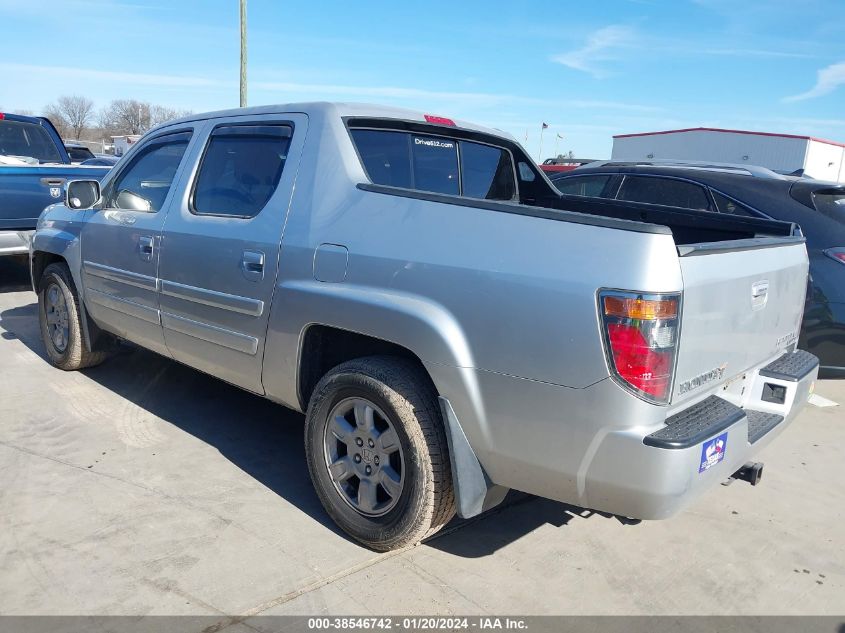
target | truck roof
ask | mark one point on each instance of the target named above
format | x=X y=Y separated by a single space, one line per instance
x=341 y=109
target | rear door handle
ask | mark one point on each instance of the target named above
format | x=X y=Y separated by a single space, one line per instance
x=252 y=265
x=145 y=247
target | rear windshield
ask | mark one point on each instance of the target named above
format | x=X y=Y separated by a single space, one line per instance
x=20 y=139
x=436 y=164
x=830 y=203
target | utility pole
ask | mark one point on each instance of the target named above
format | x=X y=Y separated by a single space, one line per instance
x=243 y=53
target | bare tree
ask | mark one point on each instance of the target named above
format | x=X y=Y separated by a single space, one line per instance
x=58 y=120
x=131 y=116
x=72 y=114
x=125 y=116
x=162 y=114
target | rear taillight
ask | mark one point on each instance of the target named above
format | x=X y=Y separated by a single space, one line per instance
x=837 y=253
x=641 y=338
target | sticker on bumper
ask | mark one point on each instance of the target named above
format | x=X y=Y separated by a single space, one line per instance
x=713 y=451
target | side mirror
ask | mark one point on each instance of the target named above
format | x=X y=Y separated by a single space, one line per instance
x=82 y=194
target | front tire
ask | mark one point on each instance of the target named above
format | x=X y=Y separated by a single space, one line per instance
x=60 y=319
x=377 y=453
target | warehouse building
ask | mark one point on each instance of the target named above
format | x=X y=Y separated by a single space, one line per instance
x=784 y=153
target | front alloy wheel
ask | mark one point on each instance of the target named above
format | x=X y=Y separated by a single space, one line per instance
x=56 y=315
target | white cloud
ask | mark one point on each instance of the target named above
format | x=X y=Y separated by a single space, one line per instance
x=139 y=79
x=828 y=80
x=476 y=99
x=598 y=48
x=755 y=52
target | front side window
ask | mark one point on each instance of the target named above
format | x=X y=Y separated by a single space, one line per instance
x=146 y=181
x=486 y=172
x=591 y=186
x=241 y=169
x=665 y=191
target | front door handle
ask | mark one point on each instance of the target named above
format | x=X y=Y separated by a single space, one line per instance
x=252 y=265
x=145 y=247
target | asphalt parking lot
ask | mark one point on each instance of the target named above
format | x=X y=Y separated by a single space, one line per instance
x=145 y=487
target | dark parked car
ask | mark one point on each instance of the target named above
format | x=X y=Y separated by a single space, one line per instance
x=102 y=160
x=78 y=152
x=817 y=206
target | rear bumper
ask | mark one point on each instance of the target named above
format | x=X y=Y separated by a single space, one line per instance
x=653 y=474
x=15 y=242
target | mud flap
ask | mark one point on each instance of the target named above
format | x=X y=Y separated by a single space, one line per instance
x=474 y=492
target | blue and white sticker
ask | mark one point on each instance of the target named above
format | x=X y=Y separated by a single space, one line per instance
x=713 y=451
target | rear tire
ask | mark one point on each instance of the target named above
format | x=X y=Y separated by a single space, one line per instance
x=60 y=319
x=377 y=453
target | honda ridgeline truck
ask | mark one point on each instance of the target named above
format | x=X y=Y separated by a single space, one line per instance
x=451 y=326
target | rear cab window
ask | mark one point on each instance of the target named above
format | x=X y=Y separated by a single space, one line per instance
x=436 y=164
x=24 y=140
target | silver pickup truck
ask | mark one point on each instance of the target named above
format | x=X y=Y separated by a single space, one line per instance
x=451 y=326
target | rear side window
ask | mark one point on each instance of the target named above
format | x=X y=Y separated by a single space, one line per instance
x=240 y=169
x=486 y=172
x=665 y=191
x=592 y=186
x=431 y=163
x=731 y=207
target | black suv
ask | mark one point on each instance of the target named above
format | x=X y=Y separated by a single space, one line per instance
x=817 y=206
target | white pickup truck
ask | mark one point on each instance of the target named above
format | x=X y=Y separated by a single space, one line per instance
x=450 y=324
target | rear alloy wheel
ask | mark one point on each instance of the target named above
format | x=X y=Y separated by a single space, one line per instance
x=364 y=457
x=377 y=452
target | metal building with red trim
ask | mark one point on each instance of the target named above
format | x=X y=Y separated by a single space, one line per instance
x=786 y=153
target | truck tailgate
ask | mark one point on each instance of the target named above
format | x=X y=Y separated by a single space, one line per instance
x=742 y=305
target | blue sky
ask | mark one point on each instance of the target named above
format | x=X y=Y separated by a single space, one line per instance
x=588 y=69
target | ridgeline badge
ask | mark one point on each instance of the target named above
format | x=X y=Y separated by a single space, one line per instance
x=702 y=379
